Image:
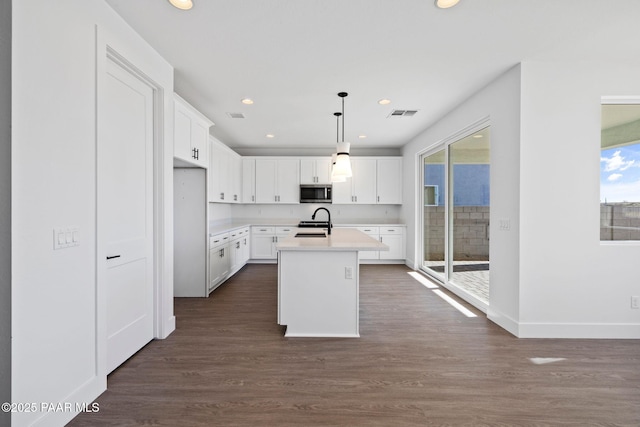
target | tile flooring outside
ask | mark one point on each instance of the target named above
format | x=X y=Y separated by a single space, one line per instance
x=473 y=276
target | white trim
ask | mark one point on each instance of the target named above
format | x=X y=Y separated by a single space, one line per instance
x=505 y=322
x=580 y=330
x=619 y=242
x=158 y=74
x=619 y=100
x=444 y=144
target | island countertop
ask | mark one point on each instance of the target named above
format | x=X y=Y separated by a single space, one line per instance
x=340 y=239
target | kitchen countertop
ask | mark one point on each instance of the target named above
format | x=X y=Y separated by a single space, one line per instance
x=340 y=239
x=223 y=226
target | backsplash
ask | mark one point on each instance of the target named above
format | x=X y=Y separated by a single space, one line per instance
x=339 y=213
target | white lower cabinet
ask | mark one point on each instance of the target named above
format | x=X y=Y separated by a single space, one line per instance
x=228 y=253
x=375 y=233
x=264 y=240
x=392 y=236
x=219 y=259
x=238 y=249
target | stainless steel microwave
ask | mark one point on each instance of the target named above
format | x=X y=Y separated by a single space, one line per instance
x=316 y=193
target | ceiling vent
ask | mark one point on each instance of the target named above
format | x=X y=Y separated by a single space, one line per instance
x=402 y=113
x=235 y=115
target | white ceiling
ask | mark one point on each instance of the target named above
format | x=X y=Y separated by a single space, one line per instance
x=292 y=57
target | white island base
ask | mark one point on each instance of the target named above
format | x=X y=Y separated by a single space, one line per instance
x=318 y=284
x=316 y=297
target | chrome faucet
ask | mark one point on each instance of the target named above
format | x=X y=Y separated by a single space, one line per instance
x=328 y=213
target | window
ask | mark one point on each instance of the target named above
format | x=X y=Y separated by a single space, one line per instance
x=620 y=172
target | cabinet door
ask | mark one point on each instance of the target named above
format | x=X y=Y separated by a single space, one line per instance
x=341 y=193
x=266 y=180
x=181 y=133
x=219 y=177
x=288 y=181
x=396 y=246
x=307 y=171
x=218 y=265
x=200 y=143
x=248 y=180
x=235 y=255
x=389 y=181
x=262 y=246
x=246 y=249
x=364 y=180
x=372 y=232
x=234 y=178
x=323 y=170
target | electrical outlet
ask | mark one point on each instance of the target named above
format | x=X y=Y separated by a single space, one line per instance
x=635 y=301
x=348 y=273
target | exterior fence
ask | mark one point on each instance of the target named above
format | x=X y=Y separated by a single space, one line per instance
x=470 y=233
x=620 y=221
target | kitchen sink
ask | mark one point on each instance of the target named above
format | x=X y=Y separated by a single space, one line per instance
x=313 y=224
x=310 y=235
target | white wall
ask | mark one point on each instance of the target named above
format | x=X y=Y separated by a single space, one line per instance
x=549 y=278
x=571 y=285
x=500 y=101
x=5 y=208
x=54 y=315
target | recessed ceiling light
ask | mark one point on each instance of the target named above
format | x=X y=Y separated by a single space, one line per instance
x=477 y=135
x=384 y=101
x=445 y=4
x=247 y=101
x=270 y=135
x=362 y=136
x=182 y=4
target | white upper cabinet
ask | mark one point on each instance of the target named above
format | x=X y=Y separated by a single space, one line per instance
x=277 y=180
x=375 y=180
x=361 y=187
x=248 y=180
x=389 y=180
x=225 y=174
x=315 y=170
x=190 y=135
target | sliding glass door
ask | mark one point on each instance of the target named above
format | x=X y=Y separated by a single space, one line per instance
x=434 y=218
x=456 y=215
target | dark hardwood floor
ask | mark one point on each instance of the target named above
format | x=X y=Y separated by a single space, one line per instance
x=418 y=362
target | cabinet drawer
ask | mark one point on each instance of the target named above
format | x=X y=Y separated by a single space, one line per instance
x=372 y=231
x=284 y=231
x=263 y=230
x=218 y=239
x=390 y=230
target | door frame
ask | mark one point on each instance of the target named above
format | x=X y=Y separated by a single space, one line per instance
x=444 y=144
x=145 y=64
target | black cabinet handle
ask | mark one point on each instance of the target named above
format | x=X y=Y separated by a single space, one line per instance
x=113 y=256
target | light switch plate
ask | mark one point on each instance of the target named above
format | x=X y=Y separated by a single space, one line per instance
x=66 y=237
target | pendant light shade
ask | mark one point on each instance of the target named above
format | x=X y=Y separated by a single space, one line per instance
x=343 y=163
x=334 y=176
x=342 y=166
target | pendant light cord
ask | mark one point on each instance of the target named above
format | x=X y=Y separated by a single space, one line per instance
x=343 y=119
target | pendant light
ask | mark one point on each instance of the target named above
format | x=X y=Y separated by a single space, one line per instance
x=182 y=4
x=334 y=156
x=342 y=166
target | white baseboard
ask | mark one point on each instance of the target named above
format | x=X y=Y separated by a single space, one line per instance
x=505 y=322
x=580 y=330
x=62 y=412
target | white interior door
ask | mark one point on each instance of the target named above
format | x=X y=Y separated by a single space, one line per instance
x=125 y=211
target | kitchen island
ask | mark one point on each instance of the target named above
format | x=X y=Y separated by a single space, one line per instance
x=318 y=282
